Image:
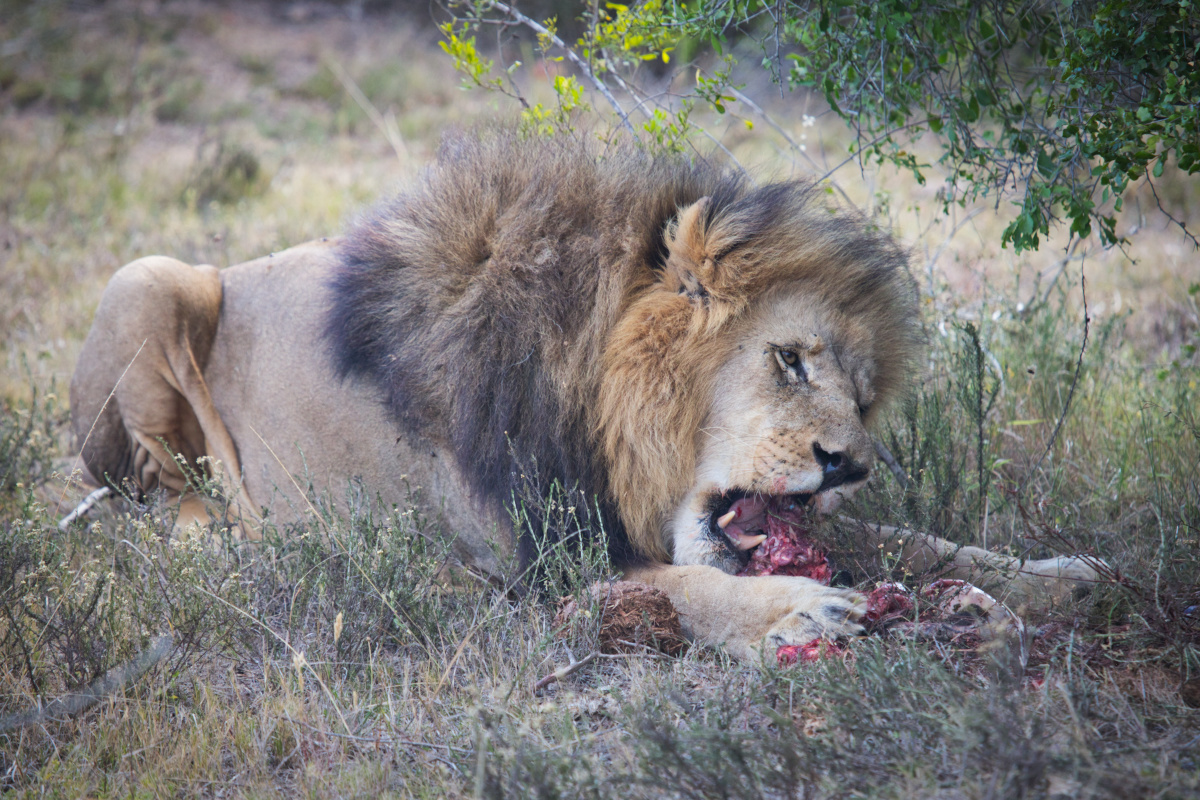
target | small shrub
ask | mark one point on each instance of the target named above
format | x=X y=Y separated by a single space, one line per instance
x=28 y=438
x=224 y=174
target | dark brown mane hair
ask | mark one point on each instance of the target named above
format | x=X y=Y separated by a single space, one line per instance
x=480 y=301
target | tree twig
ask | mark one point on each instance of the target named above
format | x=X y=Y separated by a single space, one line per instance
x=569 y=669
x=1059 y=269
x=1180 y=223
x=386 y=125
x=83 y=508
x=886 y=457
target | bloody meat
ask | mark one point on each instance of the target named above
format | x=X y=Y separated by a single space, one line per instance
x=788 y=548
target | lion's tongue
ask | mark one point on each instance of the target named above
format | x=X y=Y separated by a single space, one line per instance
x=748 y=522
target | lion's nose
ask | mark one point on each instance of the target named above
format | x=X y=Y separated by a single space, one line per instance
x=837 y=468
x=830 y=462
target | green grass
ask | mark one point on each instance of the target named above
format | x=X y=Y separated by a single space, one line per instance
x=339 y=658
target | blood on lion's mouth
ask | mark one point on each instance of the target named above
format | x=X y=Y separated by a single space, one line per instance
x=773 y=531
x=743 y=517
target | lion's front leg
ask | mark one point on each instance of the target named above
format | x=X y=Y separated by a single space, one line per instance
x=1014 y=581
x=746 y=616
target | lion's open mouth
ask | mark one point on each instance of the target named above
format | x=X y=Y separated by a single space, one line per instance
x=742 y=517
x=771 y=534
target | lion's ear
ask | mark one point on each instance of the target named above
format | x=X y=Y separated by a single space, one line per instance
x=686 y=237
x=698 y=243
x=690 y=269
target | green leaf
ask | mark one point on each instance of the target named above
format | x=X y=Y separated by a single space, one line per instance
x=970 y=111
x=1045 y=165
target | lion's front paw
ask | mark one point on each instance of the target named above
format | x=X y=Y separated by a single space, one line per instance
x=749 y=617
x=794 y=611
x=824 y=613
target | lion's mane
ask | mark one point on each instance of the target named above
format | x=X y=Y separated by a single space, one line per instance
x=546 y=302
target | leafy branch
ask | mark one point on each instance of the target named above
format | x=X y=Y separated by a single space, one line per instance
x=1060 y=106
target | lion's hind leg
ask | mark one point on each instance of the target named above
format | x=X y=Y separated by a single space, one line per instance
x=141 y=410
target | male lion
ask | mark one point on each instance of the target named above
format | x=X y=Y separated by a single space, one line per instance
x=670 y=339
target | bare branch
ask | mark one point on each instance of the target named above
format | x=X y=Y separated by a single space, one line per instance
x=1180 y=223
x=386 y=125
x=569 y=669
x=84 y=507
x=1070 y=393
x=886 y=457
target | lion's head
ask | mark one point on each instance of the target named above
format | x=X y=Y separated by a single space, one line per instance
x=746 y=377
x=659 y=334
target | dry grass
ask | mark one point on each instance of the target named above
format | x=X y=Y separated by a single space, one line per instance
x=332 y=661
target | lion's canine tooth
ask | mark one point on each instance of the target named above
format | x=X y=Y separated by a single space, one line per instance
x=748 y=542
x=724 y=520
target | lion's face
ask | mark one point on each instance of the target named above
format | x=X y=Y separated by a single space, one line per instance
x=743 y=377
x=786 y=425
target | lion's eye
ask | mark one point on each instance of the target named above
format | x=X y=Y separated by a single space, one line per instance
x=791 y=364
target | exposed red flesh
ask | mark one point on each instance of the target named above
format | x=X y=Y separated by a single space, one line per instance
x=790 y=654
x=788 y=549
x=886 y=603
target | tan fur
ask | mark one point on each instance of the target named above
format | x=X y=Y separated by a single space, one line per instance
x=750 y=617
x=648 y=418
x=156 y=407
x=665 y=353
x=287 y=418
x=749 y=360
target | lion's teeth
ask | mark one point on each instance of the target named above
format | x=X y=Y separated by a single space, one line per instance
x=727 y=518
x=747 y=542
